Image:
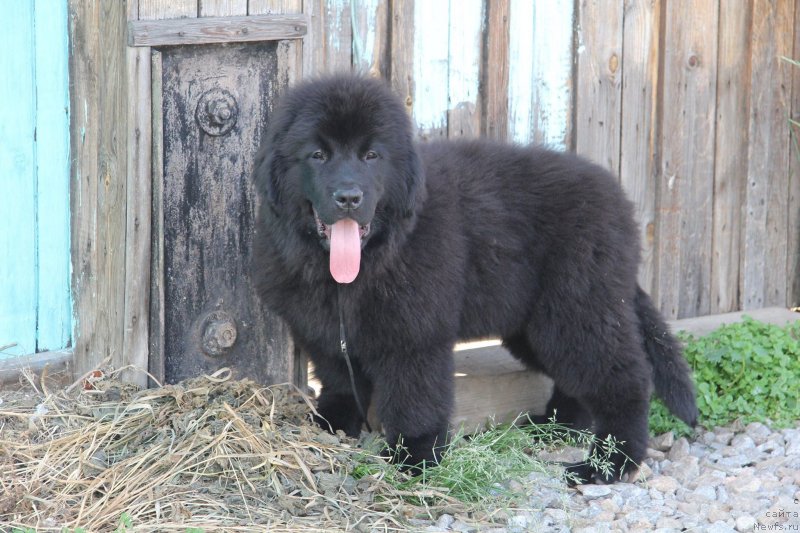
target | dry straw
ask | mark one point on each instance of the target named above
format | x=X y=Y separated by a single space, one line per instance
x=211 y=453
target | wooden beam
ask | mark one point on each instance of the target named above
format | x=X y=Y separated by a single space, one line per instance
x=55 y=366
x=207 y=30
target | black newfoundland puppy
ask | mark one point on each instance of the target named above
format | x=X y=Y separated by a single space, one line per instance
x=410 y=247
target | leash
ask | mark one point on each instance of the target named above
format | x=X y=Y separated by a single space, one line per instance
x=343 y=350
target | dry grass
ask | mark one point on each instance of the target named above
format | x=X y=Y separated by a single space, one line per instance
x=210 y=453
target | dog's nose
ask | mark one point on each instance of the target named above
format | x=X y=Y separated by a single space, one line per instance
x=348 y=198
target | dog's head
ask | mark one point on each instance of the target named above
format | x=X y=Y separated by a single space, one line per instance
x=339 y=157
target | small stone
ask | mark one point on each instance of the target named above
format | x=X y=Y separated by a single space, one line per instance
x=742 y=484
x=640 y=519
x=720 y=527
x=742 y=442
x=758 y=431
x=686 y=469
x=593 y=492
x=559 y=515
x=656 y=455
x=445 y=521
x=679 y=450
x=669 y=523
x=723 y=435
x=745 y=523
x=663 y=442
x=792 y=437
x=705 y=493
x=665 y=484
x=463 y=527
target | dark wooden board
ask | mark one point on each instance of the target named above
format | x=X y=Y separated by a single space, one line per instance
x=208 y=210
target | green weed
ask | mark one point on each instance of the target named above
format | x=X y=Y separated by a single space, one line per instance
x=747 y=371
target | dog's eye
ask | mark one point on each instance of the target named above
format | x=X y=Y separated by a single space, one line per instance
x=318 y=154
x=371 y=154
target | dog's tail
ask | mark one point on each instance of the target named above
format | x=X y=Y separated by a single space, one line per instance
x=671 y=372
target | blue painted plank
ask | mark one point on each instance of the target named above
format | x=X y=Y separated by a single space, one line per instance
x=17 y=216
x=52 y=171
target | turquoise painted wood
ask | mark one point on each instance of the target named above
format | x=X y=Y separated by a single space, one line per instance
x=35 y=307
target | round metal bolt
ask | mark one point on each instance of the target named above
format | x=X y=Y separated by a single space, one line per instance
x=219 y=333
x=217 y=112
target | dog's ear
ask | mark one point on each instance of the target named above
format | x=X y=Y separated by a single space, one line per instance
x=415 y=182
x=266 y=173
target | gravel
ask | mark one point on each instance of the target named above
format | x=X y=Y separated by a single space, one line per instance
x=730 y=479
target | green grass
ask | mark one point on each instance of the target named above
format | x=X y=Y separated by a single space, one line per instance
x=747 y=371
x=476 y=468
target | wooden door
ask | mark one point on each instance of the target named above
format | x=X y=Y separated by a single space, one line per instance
x=215 y=102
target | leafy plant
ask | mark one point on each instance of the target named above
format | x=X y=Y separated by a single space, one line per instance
x=748 y=371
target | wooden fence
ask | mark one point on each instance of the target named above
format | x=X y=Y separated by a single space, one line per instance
x=687 y=100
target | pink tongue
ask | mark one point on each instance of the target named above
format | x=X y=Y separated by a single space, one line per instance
x=345 y=250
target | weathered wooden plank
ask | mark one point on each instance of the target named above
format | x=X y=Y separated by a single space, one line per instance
x=209 y=30
x=687 y=163
x=135 y=347
x=156 y=360
x=54 y=367
x=430 y=68
x=371 y=37
x=464 y=60
x=97 y=196
x=553 y=58
x=638 y=135
x=166 y=9
x=17 y=162
x=328 y=47
x=402 y=50
x=84 y=182
x=494 y=71
x=793 y=237
x=766 y=203
x=520 y=71
x=54 y=311
x=266 y=7
x=598 y=105
x=730 y=155
x=221 y=8
x=540 y=73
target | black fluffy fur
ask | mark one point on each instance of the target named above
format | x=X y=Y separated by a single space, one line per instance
x=467 y=239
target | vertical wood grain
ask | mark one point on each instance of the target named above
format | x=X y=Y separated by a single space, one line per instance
x=687 y=165
x=464 y=60
x=494 y=71
x=402 y=51
x=138 y=224
x=599 y=78
x=17 y=161
x=98 y=191
x=370 y=37
x=638 y=135
x=520 y=71
x=328 y=43
x=553 y=58
x=793 y=231
x=540 y=72
x=730 y=167
x=221 y=8
x=431 y=62
x=167 y=9
x=157 y=316
x=765 y=250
